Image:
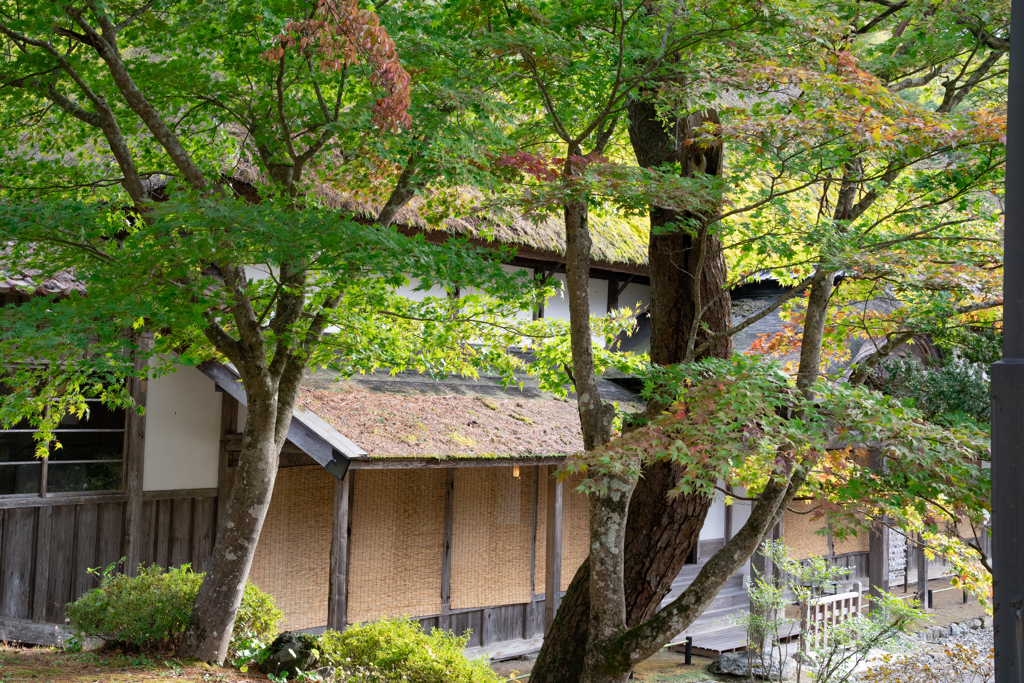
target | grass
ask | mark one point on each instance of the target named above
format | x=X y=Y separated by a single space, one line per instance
x=49 y=664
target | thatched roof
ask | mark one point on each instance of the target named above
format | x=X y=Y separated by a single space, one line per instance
x=616 y=240
x=61 y=284
x=409 y=415
x=388 y=425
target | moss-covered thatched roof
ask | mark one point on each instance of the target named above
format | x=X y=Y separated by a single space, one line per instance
x=616 y=239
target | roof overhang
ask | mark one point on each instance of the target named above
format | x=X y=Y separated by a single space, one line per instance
x=319 y=440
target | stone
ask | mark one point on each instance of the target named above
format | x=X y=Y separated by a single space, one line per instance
x=954 y=629
x=291 y=653
x=326 y=673
x=737 y=664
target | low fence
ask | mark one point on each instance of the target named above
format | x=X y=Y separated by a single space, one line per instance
x=821 y=613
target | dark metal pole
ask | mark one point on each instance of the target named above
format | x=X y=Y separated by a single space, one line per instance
x=1008 y=399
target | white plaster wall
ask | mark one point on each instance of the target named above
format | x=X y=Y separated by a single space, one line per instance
x=714 y=523
x=635 y=296
x=521 y=315
x=740 y=515
x=182 y=432
x=408 y=293
x=558 y=306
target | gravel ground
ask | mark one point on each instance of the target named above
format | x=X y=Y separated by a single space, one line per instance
x=951 y=654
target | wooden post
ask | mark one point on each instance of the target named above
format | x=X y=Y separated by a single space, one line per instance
x=728 y=516
x=42 y=573
x=613 y=294
x=134 y=458
x=878 y=546
x=446 y=550
x=225 y=474
x=337 y=601
x=538 y=313
x=553 y=549
x=922 y=574
x=528 y=616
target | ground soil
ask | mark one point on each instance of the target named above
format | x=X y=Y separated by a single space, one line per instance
x=949 y=604
x=49 y=664
x=39 y=664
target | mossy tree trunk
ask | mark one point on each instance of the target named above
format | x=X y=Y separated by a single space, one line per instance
x=660 y=533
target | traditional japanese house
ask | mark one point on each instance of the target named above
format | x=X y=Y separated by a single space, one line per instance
x=395 y=495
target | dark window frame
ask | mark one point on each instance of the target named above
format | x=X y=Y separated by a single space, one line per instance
x=44 y=463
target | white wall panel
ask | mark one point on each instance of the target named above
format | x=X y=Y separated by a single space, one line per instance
x=635 y=296
x=182 y=432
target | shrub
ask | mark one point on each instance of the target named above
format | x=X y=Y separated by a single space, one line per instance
x=153 y=608
x=957 y=388
x=398 y=649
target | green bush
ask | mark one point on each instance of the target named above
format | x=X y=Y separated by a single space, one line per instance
x=399 y=650
x=946 y=394
x=153 y=609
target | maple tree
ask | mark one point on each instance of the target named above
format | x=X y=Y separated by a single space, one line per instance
x=853 y=152
x=146 y=212
x=839 y=174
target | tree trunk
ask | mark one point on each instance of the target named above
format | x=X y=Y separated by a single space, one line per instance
x=213 y=613
x=660 y=533
x=674 y=253
x=607 y=615
x=595 y=416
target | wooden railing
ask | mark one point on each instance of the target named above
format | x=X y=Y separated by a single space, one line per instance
x=829 y=610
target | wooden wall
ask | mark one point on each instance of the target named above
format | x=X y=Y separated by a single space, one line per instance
x=491 y=625
x=46 y=550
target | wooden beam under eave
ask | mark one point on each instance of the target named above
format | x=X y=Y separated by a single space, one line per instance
x=134 y=459
x=446 y=550
x=878 y=545
x=553 y=549
x=225 y=473
x=337 y=601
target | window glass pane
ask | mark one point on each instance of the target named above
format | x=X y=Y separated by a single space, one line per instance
x=101 y=476
x=20 y=478
x=98 y=417
x=88 y=446
x=17 y=447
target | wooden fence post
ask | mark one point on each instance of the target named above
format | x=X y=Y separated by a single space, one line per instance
x=553 y=549
x=134 y=456
x=337 y=602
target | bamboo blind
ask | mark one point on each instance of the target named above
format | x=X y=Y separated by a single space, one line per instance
x=294 y=551
x=395 y=550
x=575 y=529
x=493 y=516
x=799 y=535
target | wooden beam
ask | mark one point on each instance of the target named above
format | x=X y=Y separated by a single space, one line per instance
x=446 y=550
x=178 y=494
x=226 y=474
x=553 y=549
x=728 y=516
x=337 y=600
x=42 y=570
x=416 y=463
x=878 y=545
x=528 y=610
x=922 y=574
x=35 y=501
x=134 y=460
